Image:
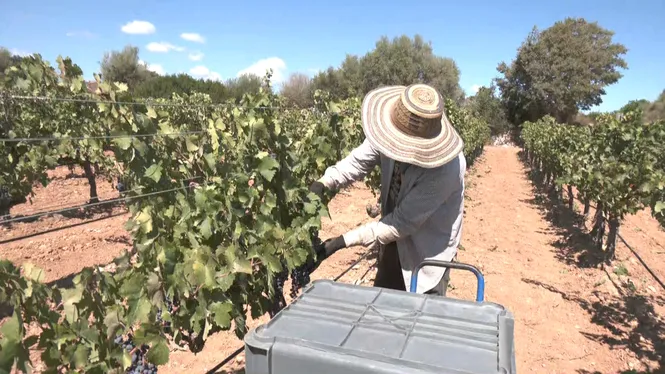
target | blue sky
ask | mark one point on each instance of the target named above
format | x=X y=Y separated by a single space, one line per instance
x=232 y=37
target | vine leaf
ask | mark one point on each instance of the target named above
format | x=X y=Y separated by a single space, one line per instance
x=159 y=353
x=154 y=172
x=123 y=143
x=268 y=167
x=191 y=147
x=70 y=297
x=660 y=205
x=206 y=228
x=242 y=265
x=112 y=323
x=222 y=313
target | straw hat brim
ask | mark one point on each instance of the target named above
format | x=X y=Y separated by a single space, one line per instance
x=382 y=133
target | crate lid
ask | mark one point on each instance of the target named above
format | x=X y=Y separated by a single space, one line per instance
x=387 y=331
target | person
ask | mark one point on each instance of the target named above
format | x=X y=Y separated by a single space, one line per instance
x=422 y=165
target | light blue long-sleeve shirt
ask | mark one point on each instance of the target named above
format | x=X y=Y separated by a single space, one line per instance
x=427 y=220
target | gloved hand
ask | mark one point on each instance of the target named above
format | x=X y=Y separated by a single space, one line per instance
x=330 y=246
x=317 y=188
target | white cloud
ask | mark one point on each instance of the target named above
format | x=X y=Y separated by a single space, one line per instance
x=204 y=73
x=81 y=34
x=163 y=47
x=18 y=52
x=193 y=37
x=260 y=67
x=138 y=27
x=159 y=69
x=196 y=56
x=474 y=89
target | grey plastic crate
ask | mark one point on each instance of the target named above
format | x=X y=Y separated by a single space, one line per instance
x=340 y=328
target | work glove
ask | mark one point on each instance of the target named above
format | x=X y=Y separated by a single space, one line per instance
x=329 y=247
x=317 y=188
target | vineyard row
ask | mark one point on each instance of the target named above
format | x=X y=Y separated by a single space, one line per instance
x=618 y=163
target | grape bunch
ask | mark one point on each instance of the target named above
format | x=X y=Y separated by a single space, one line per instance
x=300 y=275
x=121 y=186
x=278 y=303
x=139 y=363
x=169 y=308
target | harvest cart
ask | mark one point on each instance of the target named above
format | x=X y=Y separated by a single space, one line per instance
x=341 y=328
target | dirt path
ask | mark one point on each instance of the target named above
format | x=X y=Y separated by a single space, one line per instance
x=569 y=319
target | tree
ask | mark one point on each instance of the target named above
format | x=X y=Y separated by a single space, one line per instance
x=401 y=61
x=560 y=71
x=69 y=70
x=487 y=106
x=165 y=86
x=656 y=110
x=637 y=107
x=297 y=90
x=124 y=66
x=594 y=116
x=5 y=59
x=634 y=105
x=8 y=60
x=244 y=84
x=343 y=82
x=583 y=119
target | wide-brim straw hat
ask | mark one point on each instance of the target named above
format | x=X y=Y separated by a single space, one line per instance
x=409 y=124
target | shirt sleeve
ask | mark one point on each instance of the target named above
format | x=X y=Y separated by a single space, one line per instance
x=353 y=167
x=432 y=190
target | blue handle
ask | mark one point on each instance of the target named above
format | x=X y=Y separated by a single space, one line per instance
x=480 y=290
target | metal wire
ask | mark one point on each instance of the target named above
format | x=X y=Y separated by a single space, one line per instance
x=55 y=229
x=87 y=206
x=364 y=256
x=50 y=207
x=146 y=103
x=124 y=136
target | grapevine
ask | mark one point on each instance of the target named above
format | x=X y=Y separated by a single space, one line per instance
x=25 y=119
x=616 y=163
x=474 y=131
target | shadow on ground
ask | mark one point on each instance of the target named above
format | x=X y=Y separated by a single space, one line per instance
x=630 y=320
x=574 y=246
